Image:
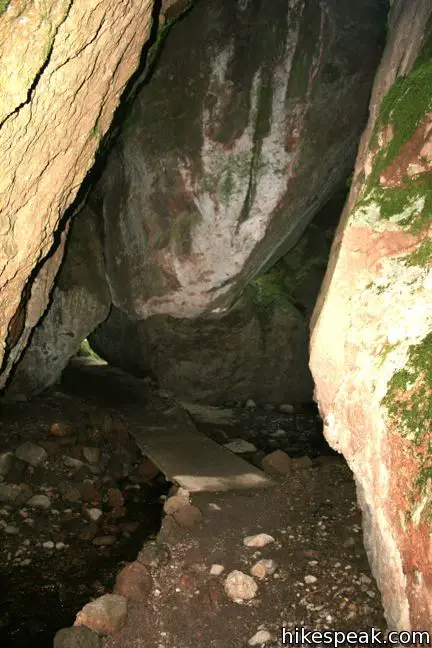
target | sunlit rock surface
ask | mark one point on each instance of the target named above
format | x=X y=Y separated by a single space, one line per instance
x=64 y=65
x=371 y=348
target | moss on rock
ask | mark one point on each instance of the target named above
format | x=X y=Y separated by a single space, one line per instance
x=409 y=396
x=403 y=109
x=3 y=6
x=409 y=405
x=281 y=285
x=422 y=256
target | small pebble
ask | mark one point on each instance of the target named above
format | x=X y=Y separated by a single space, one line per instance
x=259 y=540
x=260 y=638
x=11 y=530
x=216 y=570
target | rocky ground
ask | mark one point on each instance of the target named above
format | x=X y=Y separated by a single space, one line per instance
x=231 y=570
x=78 y=500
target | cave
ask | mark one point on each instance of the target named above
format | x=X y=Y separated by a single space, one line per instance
x=216 y=289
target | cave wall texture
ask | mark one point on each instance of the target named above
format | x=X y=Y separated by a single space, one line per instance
x=228 y=152
x=371 y=345
x=64 y=65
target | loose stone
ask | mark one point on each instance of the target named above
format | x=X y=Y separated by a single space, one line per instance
x=39 y=501
x=31 y=453
x=286 y=408
x=264 y=567
x=240 y=587
x=105 y=615
x=174 y=504
x=91 y=454
x=240 y=446
x=216 y=570
x=61 y=430
x=260 y=638
x=277 y=463
x=77 y=637
x=259 y=540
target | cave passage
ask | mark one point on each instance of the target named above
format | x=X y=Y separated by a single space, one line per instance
x=76 y=448
x=164 y=476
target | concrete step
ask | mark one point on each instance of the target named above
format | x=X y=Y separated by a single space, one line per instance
x=189 y=458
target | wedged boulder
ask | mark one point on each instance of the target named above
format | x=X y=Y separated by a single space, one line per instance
x=248 y=124
x=371 y=347
x=64 y=66
x=81 y=300
x=215 y=360
x=258 y=349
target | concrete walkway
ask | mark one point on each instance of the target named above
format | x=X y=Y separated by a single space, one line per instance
x=164 y=431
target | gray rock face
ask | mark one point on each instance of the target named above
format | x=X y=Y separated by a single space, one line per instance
x=259 y=349
x=233 y=146
x=229 y=151
x=81 y=300
x=77 y=637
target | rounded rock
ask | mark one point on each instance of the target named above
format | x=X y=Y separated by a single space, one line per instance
x=240 y=587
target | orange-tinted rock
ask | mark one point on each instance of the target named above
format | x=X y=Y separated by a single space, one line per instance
x=277 y=463
x=62 y=429
x=134 y=582
x=187 y=516
x=373 y=314
x=105 y=615
x=115 y=499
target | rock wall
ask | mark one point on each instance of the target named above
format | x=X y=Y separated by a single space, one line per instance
x=64 y=66
x=249 y=122
x=228 y=152
x=258 y=349
x=371 y=346
x=81 y=296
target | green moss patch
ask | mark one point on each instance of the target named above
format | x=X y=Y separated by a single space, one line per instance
x=409 y=395
x=280 y=286
x=409 y=405
x=269 y=292
x=3 y=6
x=403 y=108
x=86 y=349
x=409 y=205
x=422 y=256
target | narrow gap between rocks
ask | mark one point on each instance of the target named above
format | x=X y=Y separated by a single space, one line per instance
x=80 y=499
x=121 y=463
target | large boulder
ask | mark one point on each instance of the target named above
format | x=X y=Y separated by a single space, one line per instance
x=249 y=122
x=228 y=152
x=371 y=347
x=64 y=66
x=258 y=349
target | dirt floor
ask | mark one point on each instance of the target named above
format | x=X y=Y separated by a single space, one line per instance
x=322 y=578
x=55 y=557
